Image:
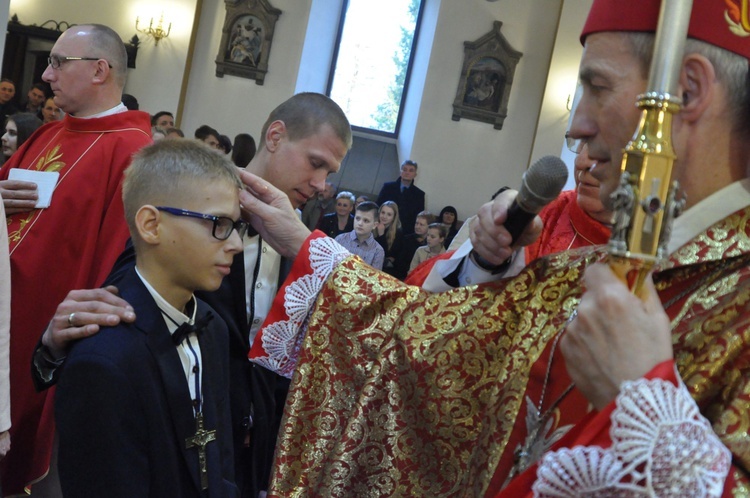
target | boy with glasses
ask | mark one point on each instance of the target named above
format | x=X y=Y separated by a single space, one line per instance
x=142 y=409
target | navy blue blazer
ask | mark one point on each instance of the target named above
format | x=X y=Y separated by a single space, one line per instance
x=410 y=202
x=123 y=409
x=257 y=395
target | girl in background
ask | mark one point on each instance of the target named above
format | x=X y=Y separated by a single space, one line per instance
x=18 y=129
x=388 y=234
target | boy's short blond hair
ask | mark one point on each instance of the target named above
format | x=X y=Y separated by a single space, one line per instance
x=158 y=173
x=440 y=227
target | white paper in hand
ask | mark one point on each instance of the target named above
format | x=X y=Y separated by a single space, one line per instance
x=45 y=183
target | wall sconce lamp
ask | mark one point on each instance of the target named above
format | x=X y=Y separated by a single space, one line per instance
x=158 y=32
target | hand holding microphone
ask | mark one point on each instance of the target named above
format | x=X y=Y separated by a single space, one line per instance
x=500 y=226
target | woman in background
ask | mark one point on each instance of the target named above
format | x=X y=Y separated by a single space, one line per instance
x=388 y=234
x=50 y=112
x=18 y=129
x=435 y=246
x=340 y=221
x=449 y=217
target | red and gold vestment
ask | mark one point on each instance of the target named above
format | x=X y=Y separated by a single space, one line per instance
x=401 y=392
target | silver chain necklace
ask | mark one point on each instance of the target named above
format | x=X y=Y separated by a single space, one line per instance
x=539 y=424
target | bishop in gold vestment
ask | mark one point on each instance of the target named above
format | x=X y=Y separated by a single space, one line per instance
x=397 y=392
x=402 y=392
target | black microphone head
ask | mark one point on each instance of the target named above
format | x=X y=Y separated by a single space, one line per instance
x=542 y=183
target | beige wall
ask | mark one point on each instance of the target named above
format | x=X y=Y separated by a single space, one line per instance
x=4 y=8
x=238 y=105
x=561 y=84
x=461 y=163
x=464 y=162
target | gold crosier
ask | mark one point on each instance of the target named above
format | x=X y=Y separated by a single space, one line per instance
x=647 y=199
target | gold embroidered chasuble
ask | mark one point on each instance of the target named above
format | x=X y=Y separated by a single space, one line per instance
x=400 y=392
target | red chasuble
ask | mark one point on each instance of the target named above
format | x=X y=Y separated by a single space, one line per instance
x=396 y=391
x=70 y=245
x=566 y=226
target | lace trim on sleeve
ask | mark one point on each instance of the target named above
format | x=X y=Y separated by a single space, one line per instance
x=661 y=446
x=282 y=340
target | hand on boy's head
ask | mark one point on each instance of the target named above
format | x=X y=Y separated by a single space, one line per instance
x=489 y=237
x=271 y=213
x=18 y=196
x=81 y=314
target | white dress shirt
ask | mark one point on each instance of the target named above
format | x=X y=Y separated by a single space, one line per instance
x=177 y=318
x=261 y=290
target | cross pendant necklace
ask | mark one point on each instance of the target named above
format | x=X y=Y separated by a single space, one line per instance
x=200 y=439
x=541 y=434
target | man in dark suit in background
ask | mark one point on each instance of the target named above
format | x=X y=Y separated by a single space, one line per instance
x=409 y=197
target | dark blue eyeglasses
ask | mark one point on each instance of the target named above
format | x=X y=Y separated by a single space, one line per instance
x=223 y=225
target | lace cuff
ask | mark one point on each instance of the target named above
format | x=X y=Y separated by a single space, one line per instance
x=661 y=446
x=278 y=343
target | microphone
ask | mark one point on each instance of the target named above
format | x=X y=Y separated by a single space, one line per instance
x=541 y=184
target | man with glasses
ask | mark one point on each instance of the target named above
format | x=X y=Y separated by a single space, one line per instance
x=577 y=218
x=74 y=241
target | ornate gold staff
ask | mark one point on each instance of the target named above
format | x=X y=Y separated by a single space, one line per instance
x=645 y=204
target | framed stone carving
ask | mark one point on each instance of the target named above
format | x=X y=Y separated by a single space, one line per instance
x=486 y=78
x=246 y=39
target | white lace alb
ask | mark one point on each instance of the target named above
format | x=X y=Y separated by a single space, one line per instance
x=661 y=446
x=282 y=340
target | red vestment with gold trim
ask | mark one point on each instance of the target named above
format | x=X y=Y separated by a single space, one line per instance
x=400 y=392
x=70 y=245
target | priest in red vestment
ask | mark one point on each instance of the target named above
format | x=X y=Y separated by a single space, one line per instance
x=73 y=243
x=577 y=218
x=396 y=391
